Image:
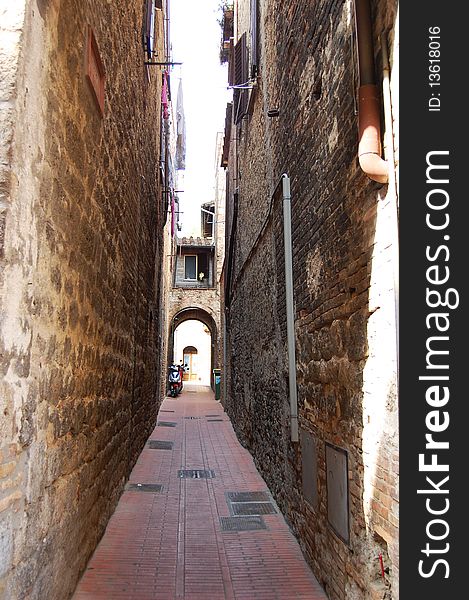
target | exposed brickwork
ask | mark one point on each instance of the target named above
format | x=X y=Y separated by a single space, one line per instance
x=81 y=266
x=343 y=244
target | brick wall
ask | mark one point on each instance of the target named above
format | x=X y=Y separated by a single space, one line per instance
x=80 y=291
x=343 y=260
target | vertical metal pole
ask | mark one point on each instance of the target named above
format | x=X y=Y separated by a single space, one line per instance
x=290 y=307
x=225 y=353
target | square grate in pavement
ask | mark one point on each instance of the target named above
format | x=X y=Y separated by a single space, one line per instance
x=144 y=487
x=196 y=474
x=248 y=496
x=166 y=424
x=242 y=523
x=160 y=445
x=252 y=508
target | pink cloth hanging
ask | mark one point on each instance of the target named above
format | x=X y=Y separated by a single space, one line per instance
x=164 y=95
x=173 y=216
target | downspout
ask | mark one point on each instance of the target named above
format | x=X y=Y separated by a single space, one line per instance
x=369 y=130
x=287 y=237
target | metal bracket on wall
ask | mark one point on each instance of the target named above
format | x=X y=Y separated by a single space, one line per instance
x=161 y=64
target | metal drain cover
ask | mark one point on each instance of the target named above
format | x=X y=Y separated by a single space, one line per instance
x=192 y=417
x=144 y=487
x=217 y=415
x=242 y=523
x=166 y=410
x=248 y=496
x=214 y=420
x=160 y=445
x=196 y=474
x=166 y=424
x=253 y=508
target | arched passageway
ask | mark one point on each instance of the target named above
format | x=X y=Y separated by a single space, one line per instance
x=204 y=317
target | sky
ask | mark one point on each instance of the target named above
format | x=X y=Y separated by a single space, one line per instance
x=195 y=38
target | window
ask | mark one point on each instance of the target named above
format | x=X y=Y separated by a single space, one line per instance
x=149 y=36
x=203 y=267
x=254 y=45
x=190 y=267
x=240 y=96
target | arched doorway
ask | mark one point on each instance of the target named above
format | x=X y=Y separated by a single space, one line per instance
x=191 y=367
x=208 y=322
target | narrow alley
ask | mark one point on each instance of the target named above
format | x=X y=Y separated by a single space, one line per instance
x=214 y=536
x=199 y=311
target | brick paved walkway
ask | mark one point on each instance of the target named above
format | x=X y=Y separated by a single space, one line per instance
x=170 y=544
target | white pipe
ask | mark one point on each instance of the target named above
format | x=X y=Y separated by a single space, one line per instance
x=290 y=307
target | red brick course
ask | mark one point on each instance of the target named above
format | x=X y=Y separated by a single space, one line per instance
x=169 y=545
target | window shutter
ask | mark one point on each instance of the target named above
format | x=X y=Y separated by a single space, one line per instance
x=254 y=47
x=231 y=63
x=149 y=28
x=240 y=96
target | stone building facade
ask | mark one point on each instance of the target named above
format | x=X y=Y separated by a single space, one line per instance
x=80 y=245
x=297 y=112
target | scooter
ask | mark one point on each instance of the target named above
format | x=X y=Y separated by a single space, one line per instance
x=174 y=380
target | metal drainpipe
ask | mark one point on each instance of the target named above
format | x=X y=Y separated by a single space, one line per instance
x=290 y=307
x=369 y=145
x=225 y=354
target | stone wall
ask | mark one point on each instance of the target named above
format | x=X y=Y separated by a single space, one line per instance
x=80 y=283
x=344 y=261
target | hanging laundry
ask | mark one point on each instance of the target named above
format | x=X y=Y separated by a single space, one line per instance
x=164 y=96
x=173 y=216
x=181 y=131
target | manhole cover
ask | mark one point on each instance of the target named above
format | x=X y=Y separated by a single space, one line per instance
x=253 y=508
x=242 y=523
x=160 y=445
x=248 y=496
x=214 y=420
x=196 y=474
x=144 y=487
x=166 y=424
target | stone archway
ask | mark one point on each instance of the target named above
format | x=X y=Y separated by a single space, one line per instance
x=194 y=313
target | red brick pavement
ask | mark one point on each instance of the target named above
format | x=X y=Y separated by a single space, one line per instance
x=169 y=545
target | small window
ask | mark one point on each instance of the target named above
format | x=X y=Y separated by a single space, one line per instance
x=240 y=74
x=190 y=267
x=254 y=44
x=149 y=36
x=203 y=269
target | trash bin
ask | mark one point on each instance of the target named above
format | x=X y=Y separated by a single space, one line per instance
x=217 y=381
